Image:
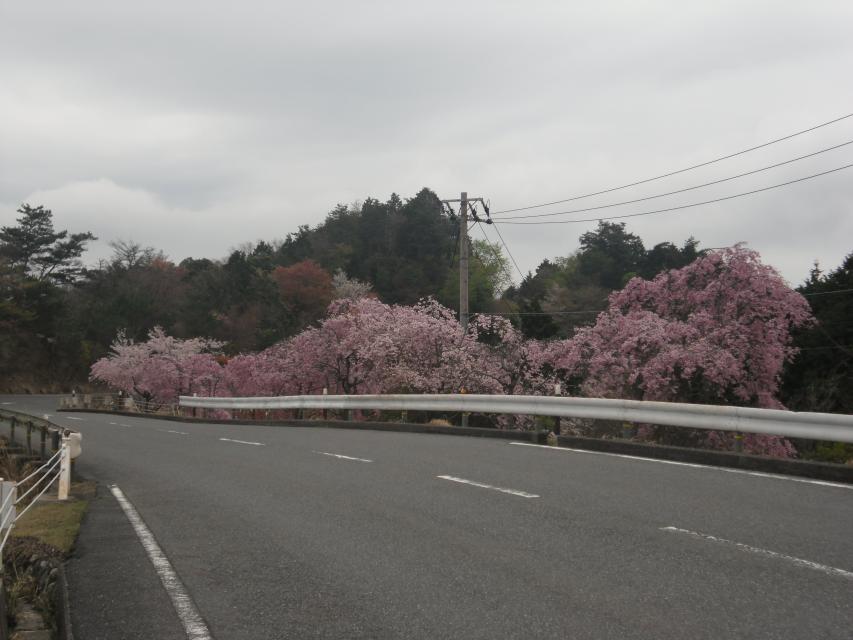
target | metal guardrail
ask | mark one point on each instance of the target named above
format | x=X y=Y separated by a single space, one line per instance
x=816 y=426
x=26 y=427
x=56 y=467
x=115 y=402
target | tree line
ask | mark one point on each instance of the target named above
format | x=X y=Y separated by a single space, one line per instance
x=715 y=331
x=57 y=317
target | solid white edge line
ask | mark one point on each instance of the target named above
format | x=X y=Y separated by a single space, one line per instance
x=513 y=492
x=758 y=474
x=833 y=571
x=342 y=457
x=189 y=615
x=257 y=444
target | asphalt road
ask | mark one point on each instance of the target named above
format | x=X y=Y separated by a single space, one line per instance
x=279 y=539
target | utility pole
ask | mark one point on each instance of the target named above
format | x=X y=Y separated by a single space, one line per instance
x=464 y=202
x=463 y=261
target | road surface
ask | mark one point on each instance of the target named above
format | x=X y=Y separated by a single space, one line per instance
x=322 y=533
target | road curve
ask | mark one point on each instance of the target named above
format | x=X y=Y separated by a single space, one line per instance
x=323 y=533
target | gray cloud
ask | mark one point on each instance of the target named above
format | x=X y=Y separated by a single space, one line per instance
x=196 y=126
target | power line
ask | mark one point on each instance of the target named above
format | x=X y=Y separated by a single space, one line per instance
x=670 y=193
x=542 y=313
x=588 y=311
x=684 y=206
x=495 y=251
x=832 y=340
x=498 y=260
x=836 y=347
x=509 y=253
x=826 y=293
x=672 y=173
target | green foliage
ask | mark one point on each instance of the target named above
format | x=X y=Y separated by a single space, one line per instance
x=57 y=318
x=575 y=288
x=488 y=277
x=609 y=256
x=37 y=267
x=403 y=249
x=15 y=316
x=821 y=376
x=41 y=252
x=837 y=452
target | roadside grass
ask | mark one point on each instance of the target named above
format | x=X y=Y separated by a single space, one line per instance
x=57 y=523
x=39 y=541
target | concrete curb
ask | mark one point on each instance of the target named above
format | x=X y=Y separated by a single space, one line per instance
x=801 y=468
x=63 y=607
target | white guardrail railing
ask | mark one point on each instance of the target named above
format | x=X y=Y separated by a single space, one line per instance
x=115 y=402
x=816 y=426
x=57 y=467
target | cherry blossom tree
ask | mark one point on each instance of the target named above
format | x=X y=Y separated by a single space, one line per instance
x=161 y=368
x=717 y=331
x=366 y=346
x=512 y=363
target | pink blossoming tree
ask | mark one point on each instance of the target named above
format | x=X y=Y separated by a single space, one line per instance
x=716 y=331
x=161 y=368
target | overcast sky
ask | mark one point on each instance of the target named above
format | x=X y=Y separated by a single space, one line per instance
x=197 y=126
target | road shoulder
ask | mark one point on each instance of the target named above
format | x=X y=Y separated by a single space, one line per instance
x=114 y=591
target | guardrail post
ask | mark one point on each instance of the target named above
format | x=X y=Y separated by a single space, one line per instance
x=464 y=413
x=738 y=443
x=12 y=423
x=43 y=442
x=54 y=440
x=29 y=438
x=64 y=470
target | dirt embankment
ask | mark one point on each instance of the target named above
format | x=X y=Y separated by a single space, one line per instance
x=15 y=385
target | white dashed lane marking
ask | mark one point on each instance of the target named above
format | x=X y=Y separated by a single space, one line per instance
x=342 y=457
x=808 y=564
x=512 y=492
x=257 y=444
